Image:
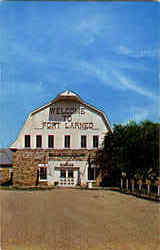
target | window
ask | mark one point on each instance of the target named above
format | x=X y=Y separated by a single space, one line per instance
x=38 y=141
x=83 y=141
x=27 y=141
x=70 y=173
x=95 y=141
x=91 y=173
x=51 y=141
x=63 y=173
x=43 y=173
x=67 y=141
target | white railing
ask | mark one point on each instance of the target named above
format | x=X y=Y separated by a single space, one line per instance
x=67 y=181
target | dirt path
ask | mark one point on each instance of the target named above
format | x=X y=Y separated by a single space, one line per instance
x=77 y=220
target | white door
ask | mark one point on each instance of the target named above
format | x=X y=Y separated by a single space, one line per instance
x=67 y=177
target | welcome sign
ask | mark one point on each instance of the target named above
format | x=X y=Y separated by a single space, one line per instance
x=67 y=116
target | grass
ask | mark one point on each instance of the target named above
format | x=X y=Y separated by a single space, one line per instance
x=6 y=187
x=23 y=188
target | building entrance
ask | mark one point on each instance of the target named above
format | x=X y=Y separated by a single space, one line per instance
x=68 y=177
x=67 y=173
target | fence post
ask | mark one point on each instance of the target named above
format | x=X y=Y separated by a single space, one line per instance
x=158 y=185
x=139 y=184
x=127 y=184
x=140 y=187
x=148 y=183
x=121 y=183
x=158 y=190
x=132 y=182
x=123 y=176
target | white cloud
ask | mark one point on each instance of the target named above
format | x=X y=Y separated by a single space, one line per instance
x=138 y=53
x=140 y=115
x=131 y=85
x=25 y=90
x=136 y=114
x=91 y=29
x=23 y=50
x=144 y=112
x=112 y=77
x=124 y=50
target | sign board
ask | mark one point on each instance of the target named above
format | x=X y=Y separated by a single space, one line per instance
x=67 y=116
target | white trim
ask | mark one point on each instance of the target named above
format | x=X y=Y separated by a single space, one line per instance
x=42 y=165
x=91 y=181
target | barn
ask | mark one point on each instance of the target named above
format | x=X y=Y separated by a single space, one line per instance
x=6 y=159
x=59 y=142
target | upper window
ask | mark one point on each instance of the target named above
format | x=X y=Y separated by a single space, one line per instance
x=51 y=141
x=95 y=141
x=38 y=141
x=27 y=141
x=83 y=141
x=67 y=141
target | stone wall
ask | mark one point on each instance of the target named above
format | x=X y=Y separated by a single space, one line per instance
x=25 y=166
x=5 y=175
x=26 y=161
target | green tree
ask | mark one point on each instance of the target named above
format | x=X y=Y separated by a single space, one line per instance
x=132 y=148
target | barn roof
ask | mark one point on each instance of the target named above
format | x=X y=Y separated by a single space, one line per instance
x=71 y=96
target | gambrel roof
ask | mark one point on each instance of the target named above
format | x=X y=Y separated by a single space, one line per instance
x=71 y=96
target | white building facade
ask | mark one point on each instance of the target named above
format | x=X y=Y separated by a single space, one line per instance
x=61 y=139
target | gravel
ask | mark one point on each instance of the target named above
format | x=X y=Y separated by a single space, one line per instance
x=71 y=219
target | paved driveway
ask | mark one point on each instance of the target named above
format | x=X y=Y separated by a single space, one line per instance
x=77 y=220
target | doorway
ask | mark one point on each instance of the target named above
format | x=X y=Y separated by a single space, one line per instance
x=68 y=177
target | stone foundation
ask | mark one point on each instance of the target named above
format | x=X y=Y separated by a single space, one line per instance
x=26 y=161
x=5 y=175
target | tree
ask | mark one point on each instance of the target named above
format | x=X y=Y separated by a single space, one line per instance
x=132 y=148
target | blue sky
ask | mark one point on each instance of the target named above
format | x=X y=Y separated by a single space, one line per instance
x=107 y=52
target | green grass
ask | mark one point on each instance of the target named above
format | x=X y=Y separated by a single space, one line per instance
x=6 y=187
x=11 y=188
